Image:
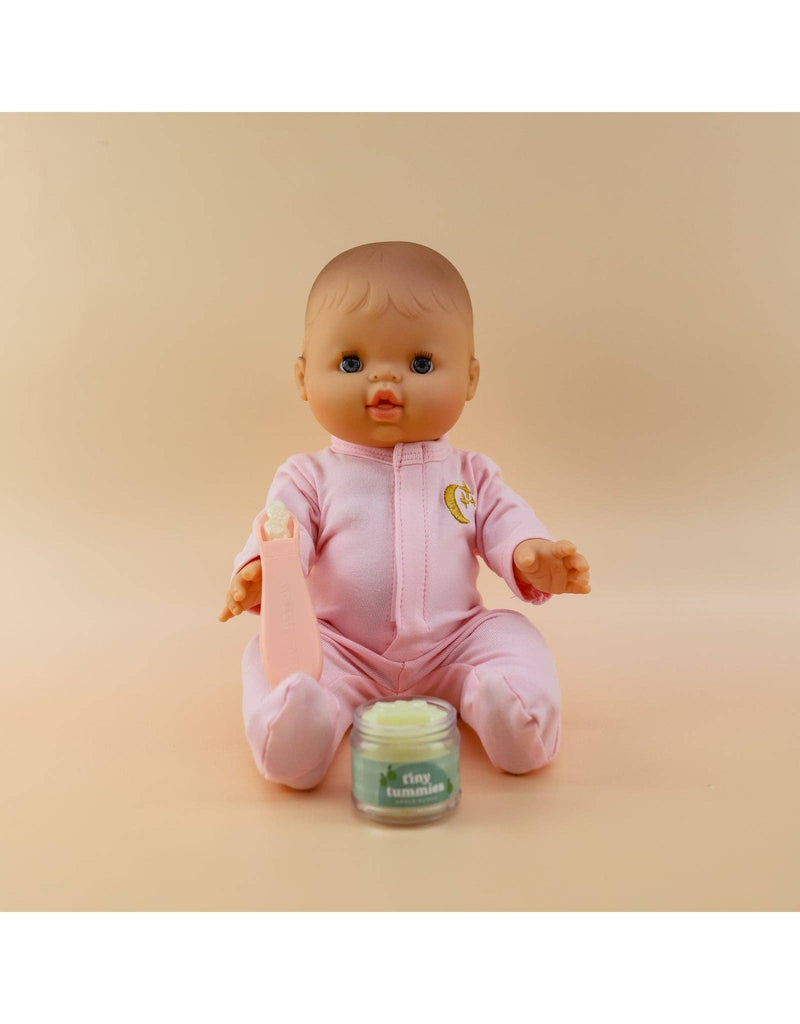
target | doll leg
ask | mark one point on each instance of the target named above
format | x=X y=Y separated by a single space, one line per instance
x=503 y=681
x=295 y=729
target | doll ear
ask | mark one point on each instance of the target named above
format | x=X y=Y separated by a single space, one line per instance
x=300 y=376
x=474 y=375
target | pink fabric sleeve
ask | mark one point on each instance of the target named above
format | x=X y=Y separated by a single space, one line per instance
x=502 y=521
x=298 y=493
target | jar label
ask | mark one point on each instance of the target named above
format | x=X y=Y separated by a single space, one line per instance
x=411 y=784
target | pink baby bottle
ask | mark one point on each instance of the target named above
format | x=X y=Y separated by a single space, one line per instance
x=289 y=634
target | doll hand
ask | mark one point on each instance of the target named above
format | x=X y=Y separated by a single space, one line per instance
x=552 y=566
x=244 y=591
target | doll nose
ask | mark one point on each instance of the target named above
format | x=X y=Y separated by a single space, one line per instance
x=384 y=373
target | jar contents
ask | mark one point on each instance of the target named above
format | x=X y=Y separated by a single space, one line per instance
x=405 y=760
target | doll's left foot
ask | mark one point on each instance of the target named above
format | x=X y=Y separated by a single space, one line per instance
x=512 y=737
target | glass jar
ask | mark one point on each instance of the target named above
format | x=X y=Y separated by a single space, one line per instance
x=404 y=757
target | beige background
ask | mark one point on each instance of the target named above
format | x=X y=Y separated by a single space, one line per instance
x=636 y=293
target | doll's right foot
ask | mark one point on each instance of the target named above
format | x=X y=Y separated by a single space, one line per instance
x=293 y=732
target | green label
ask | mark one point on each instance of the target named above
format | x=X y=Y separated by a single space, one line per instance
x=414 y=784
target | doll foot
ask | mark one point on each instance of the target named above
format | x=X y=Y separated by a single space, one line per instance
x=293 y=732
x=514 y=739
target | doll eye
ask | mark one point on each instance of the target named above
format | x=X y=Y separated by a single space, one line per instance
x=350 y=364
x=422 y=363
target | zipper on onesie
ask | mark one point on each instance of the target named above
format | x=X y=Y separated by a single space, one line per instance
x=411 y=538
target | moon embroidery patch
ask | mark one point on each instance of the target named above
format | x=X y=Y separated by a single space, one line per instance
x=455 y=493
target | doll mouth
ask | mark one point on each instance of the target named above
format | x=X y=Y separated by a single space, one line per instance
x=385 y=411
x=384 y=398
x=384 y=406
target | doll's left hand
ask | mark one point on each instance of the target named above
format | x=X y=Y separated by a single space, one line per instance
x=552 y=566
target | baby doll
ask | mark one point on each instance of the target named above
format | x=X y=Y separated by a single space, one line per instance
x=391 y=519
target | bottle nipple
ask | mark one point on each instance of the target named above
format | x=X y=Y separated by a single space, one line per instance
x=277 y=525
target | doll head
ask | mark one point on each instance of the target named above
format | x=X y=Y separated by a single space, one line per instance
x=388 y=352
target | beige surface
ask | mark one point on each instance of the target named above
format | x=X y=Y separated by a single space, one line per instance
x=634 y=283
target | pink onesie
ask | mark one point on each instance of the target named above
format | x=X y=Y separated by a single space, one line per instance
x=389 y=538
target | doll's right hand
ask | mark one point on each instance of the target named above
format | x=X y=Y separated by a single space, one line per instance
x=244 y=591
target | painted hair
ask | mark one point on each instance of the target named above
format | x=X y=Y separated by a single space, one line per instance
x=411 y=278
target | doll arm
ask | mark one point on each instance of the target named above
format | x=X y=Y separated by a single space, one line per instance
x=298 y=493
x=503 y=520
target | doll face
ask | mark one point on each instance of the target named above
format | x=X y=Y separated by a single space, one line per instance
x=382 y=379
